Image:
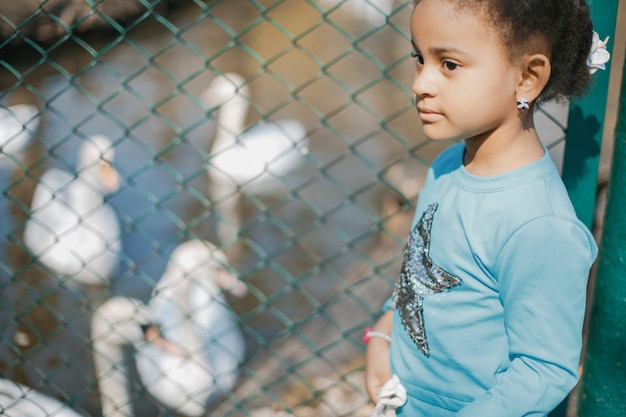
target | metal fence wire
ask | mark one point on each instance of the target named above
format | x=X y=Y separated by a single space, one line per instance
x=204 y=203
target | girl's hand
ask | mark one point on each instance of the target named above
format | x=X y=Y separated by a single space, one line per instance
x=377 y=365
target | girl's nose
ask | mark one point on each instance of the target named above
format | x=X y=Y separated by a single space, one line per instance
x=423 y=82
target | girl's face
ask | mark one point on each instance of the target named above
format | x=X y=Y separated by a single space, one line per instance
x=464 y=85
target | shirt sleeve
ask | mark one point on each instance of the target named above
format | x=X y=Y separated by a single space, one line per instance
x=542 y=275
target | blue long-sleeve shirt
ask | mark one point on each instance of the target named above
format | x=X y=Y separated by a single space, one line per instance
x=490 y=304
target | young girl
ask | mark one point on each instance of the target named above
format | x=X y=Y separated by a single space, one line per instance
x=486 y=317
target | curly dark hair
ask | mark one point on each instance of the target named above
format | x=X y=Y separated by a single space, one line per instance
x=560 y=28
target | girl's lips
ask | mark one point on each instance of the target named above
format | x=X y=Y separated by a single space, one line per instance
x=428 y=115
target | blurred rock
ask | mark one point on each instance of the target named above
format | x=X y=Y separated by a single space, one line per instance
x=49 y=20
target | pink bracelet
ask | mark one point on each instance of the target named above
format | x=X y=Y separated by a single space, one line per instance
x=369 y=334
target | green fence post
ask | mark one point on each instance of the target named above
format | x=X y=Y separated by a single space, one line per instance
x=604 y=372
x=586 y=122
x=584 y=135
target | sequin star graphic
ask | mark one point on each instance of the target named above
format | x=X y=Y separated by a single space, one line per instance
x=419 y=278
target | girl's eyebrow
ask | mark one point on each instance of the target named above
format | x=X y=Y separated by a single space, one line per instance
x=442 y=50
x=447 y=50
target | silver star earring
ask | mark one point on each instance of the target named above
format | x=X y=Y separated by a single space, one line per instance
x=522 y=104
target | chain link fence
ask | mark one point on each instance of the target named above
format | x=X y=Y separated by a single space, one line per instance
x=224 y=270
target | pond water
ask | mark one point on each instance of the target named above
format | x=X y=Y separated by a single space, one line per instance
x=142 y=90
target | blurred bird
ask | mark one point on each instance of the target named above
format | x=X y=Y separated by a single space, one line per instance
x=17 y=400
x=18 y=123
x=374 y=12
x=72 y=229
x=257 y=160
x=188 y=346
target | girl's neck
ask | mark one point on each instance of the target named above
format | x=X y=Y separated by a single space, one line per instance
x=506 y=150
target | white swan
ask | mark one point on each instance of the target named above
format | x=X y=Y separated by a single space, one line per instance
x=257 y=160
x=71 y=229
x=375 y=12
x=198 y=347
x=17 y=400
x=18 y=123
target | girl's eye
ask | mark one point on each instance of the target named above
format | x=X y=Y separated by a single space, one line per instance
x=450 y=66
x=420 y=58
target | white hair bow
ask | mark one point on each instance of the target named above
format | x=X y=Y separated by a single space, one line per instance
x=598 y=55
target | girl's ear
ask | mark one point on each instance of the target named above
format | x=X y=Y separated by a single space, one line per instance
x=535 y=75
